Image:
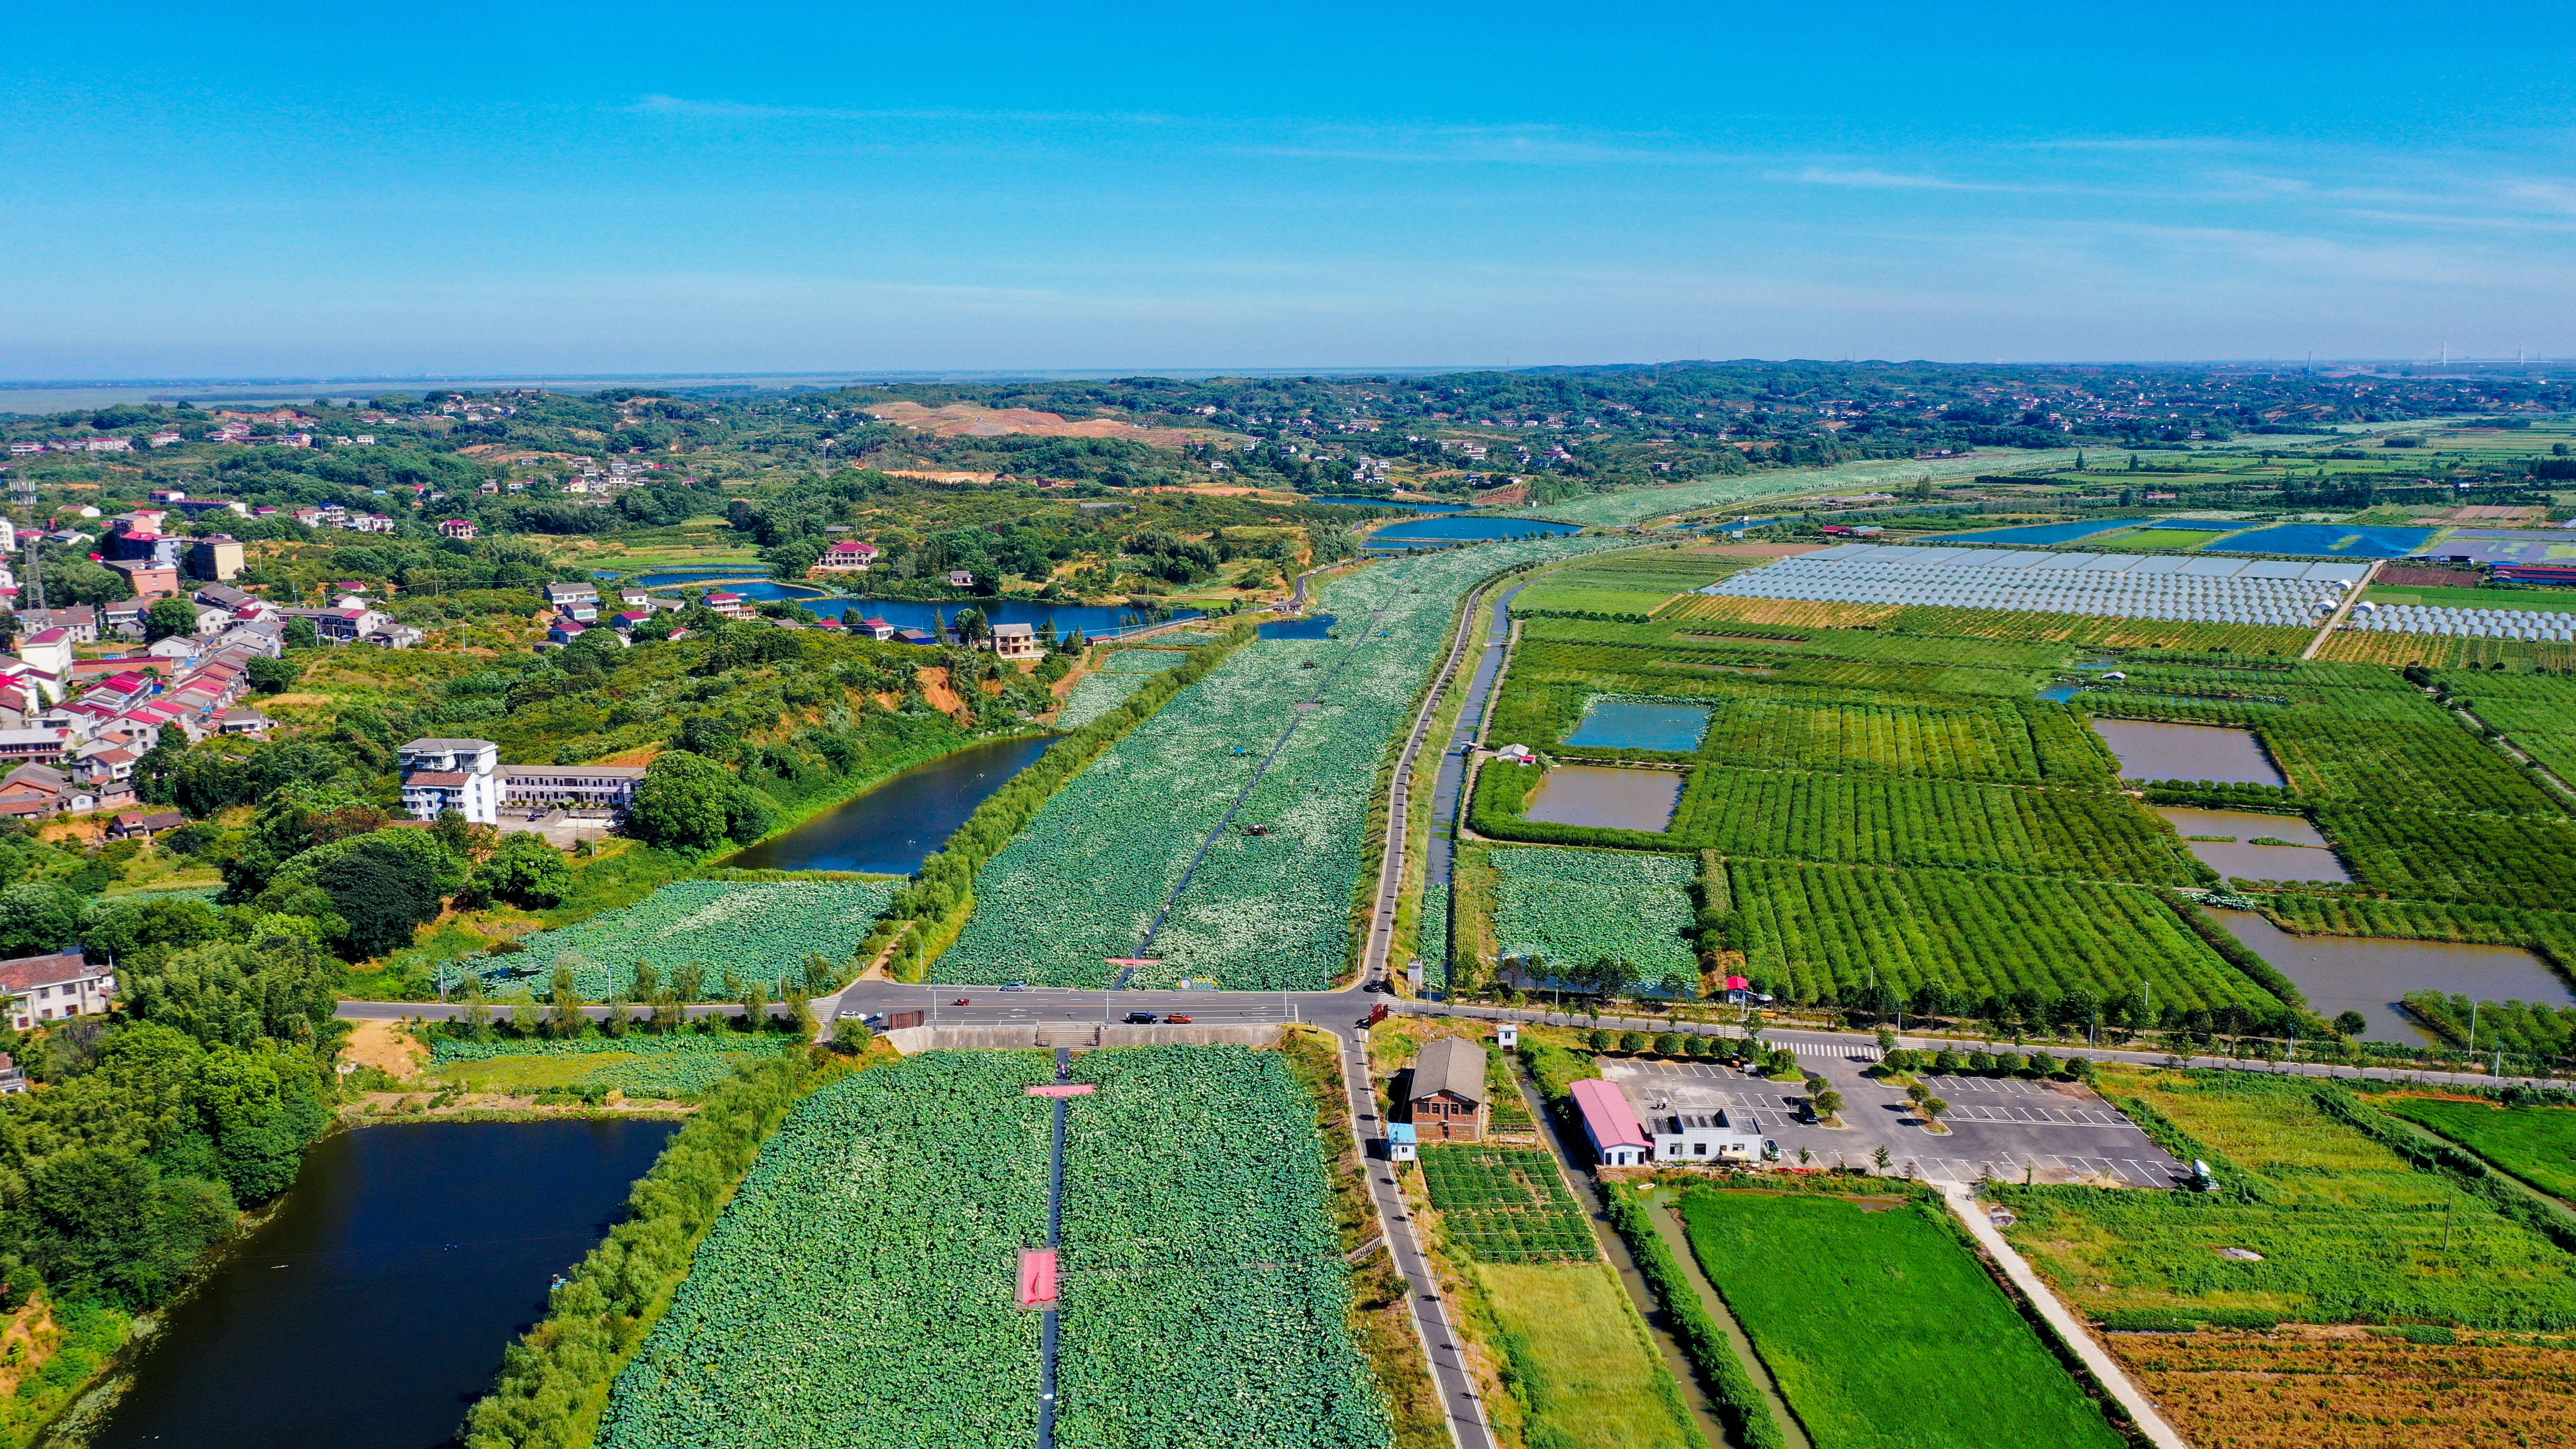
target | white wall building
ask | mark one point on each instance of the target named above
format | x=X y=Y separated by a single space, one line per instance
x=459 y=775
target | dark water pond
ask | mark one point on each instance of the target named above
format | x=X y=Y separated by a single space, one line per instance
x=1313 y=626
x=721 y=573
x=375 y=1306
x=1611 y=799
x=1432 y=531
x=2154 y=751
x=2371 y=975
x=1390 y=503
x=2306 y=857
x=893 y=828
x=909 y=614
x=1640 y=724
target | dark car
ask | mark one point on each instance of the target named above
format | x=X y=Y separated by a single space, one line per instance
x=1141 y=1018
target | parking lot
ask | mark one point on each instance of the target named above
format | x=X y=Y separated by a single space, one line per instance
x=2003 y=1128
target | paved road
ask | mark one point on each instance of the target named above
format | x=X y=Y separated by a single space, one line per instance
x=1390 y=869
x=1465 y=1414
x=994 y=1007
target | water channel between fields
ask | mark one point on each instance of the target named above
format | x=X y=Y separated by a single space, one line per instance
x=1606 y=797
x=2372 y=975
x=2148 y=750
x=896 y=826
x=374 y=1307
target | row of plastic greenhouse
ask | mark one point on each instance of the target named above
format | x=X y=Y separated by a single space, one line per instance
x=2229 y=600
x=2529 y=624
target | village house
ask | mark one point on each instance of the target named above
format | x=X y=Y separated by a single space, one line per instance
x=143 y=824
x=1017 y=641
x=53 y=987
x=847 y=556
x=729 y=604
x=1448 y=1092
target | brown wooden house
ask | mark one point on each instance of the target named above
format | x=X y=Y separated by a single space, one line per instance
x=1448 y=1093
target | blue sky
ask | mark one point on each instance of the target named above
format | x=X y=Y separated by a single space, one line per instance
x=211 y=191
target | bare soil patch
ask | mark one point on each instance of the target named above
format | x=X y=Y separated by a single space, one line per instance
x=966 y=420
x=385 y=1046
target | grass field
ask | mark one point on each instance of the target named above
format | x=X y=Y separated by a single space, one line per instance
x=2175 y=538
x=1573 y=1341
x=1883 y=1329
x=2536 y=1144
x=2358 y=1391
x=2346 y=1228
x=2548 y=600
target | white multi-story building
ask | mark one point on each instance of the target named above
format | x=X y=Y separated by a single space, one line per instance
x=459 y=775
x=52 y=987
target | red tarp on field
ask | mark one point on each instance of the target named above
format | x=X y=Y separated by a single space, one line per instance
x=1037 y=1277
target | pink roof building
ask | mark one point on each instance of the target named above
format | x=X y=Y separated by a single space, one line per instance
x=1618 y=1138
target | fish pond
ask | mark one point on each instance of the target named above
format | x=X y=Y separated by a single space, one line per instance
x=2372 y=976
x=1313 y=626
x=2150 y=750
x=1091 y=619
x=1437 y=532
x=375 y=1305
x=1608 y=798
x=893 y=828
x=1640 y=724
x=2305 y=857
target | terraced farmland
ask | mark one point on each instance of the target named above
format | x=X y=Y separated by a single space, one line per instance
x=860 y=1289
x=1089 y=875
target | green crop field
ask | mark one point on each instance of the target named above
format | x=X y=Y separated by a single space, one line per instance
x=2492 y=859
x=1506 y=1204
x=683 y=1064
x=1883 y=1329
x=2344 y=1227
x=2167 y=538
x=860 y=1289
x=1820 y=929
x=755 y=931
x=1261 y=912
x=2547 y=600
x=2536 y=1144
x=1573 y=906
x=1925 y=822
x=1843 y=737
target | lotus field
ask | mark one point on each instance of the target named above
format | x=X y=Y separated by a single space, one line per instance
x=1094 y=695
x=1087 y=877
x=1573 y=906
x=1205 y=1297
x=860 y=1289
x=755 y=930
